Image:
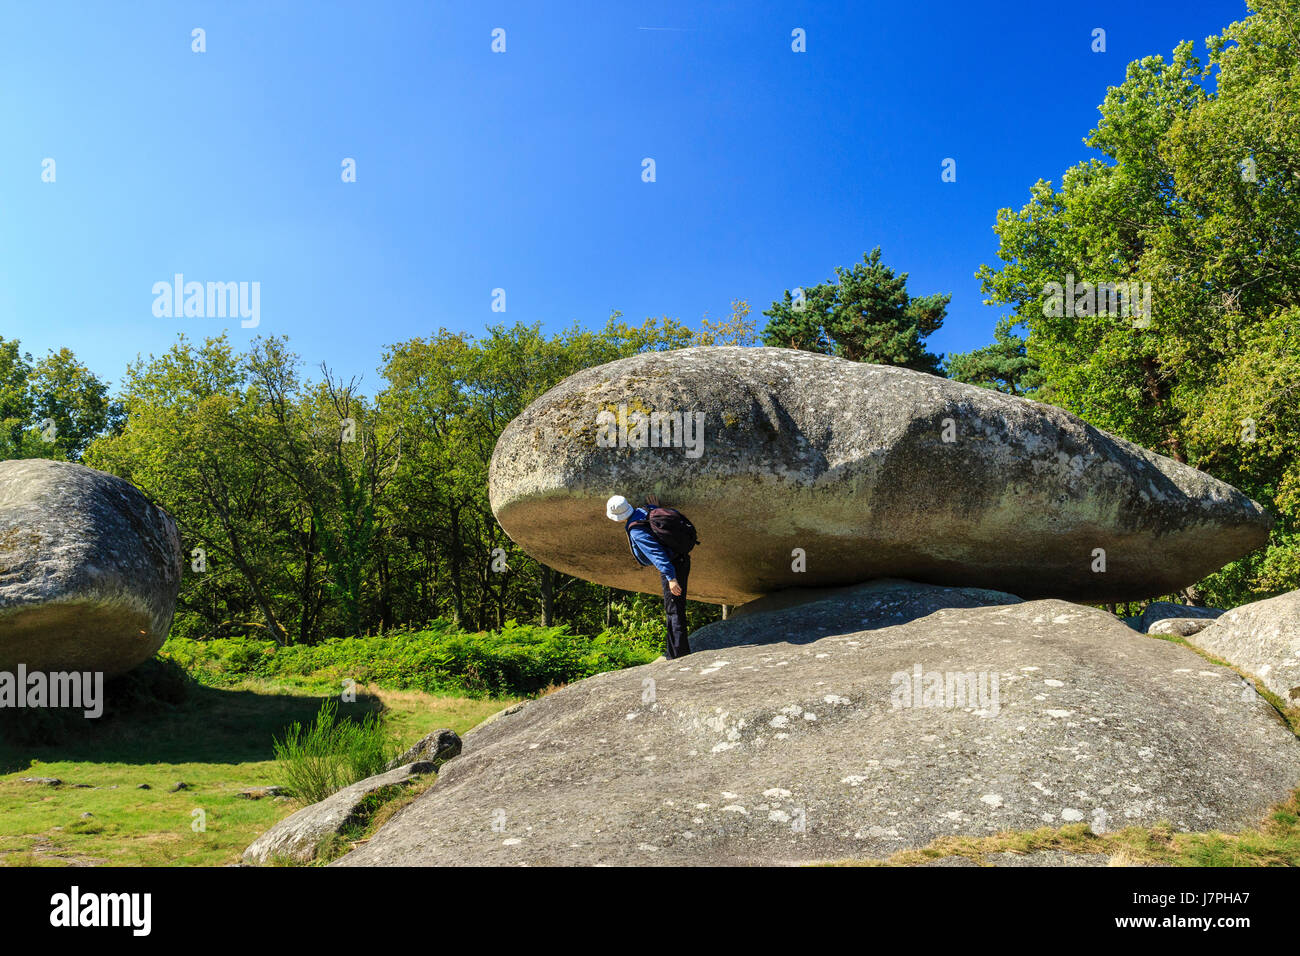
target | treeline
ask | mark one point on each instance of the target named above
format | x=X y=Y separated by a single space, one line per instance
x=309 y=509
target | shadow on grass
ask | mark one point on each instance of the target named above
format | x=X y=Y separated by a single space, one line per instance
x=191 y=723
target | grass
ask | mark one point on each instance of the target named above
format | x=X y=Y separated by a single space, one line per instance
x=517 y=659
x=1275 y=842
x=218 y=742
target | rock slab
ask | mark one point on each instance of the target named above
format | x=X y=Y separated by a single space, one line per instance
x=89 y=569
x=805 y=470
x=804 y=615
x=1262 y=639
x=298 y=837
x=793 y=753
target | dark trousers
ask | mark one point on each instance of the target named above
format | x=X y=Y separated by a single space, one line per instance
x=675 y=609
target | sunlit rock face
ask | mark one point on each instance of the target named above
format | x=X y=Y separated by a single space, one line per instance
x=804 y=470
x=89 y=569
x=968 y=721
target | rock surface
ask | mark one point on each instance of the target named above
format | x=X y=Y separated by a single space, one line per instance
x=850 y=463
x=787 y=753
x=1037 y=858
x=435 y=748
x=89 y=569
x=1180 y=626
x=1262 y=639
x=804 y=615
x=298 y=837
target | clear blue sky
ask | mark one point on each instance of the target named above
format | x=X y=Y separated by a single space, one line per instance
x=522 y=170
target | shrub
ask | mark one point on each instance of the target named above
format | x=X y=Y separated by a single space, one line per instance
x=320 y=759
x=519 y=659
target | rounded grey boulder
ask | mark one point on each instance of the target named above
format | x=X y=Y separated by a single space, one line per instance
x=89 y=569
x=1262 y=639
x=804 y=470
x=968 y=721
x=1158 y=611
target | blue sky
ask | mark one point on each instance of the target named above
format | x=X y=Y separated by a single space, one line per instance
x=522 y=170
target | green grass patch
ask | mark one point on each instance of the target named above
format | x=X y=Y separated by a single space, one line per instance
x=218 y=741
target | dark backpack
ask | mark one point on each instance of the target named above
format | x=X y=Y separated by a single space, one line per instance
x=670 y=528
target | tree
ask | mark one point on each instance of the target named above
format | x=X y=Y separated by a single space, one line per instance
x=738 y=329
x=1003 y=366
x=68 y=396
x=53 y=408
x=1195 y=199
x=15 y=399
x=865 y=314
x=186 y=413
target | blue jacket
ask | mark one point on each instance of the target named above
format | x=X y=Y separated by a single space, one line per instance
x=646 y=547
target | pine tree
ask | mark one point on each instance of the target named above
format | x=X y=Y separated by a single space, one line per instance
x=864 y=315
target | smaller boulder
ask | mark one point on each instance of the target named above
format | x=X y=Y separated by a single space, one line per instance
x=1262 y=639
x=258 y=793
x=1165 y=610
x=297 y=838
x=1180 y=626
x=89 y=569
x=435 y=748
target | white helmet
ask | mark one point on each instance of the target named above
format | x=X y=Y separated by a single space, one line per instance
x=618 y=508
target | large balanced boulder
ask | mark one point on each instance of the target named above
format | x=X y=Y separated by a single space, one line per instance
x=89 y=569
x=968 y=721
x=804 y=470
x=1263 y=639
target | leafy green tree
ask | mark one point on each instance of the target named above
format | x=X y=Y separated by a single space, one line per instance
x=52 y=408
x=186 y=411
x=1195 y=198
x=15 y=399
x=865 y=314
x=738 y=329
x=74 y=400
x=1003 y=365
